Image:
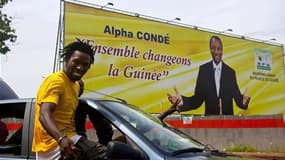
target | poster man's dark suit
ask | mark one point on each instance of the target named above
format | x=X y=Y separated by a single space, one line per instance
x=205 y=90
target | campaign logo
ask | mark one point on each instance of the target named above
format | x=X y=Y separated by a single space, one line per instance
x=263 y=59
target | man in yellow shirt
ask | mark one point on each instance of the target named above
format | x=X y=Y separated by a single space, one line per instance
x=55 y=135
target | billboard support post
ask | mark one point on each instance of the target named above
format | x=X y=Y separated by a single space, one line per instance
x=59 y=41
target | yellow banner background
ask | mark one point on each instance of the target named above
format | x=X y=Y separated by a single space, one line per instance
x=266 y=88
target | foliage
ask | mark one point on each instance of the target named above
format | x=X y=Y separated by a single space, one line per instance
x=241 y=149
x=7 y=34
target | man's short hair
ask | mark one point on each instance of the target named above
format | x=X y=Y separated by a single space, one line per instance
x=79 y=46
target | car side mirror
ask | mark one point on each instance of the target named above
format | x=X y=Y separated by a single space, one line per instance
x=120 y=150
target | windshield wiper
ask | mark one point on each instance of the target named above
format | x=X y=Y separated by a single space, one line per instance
x=194 y=150
x=213 y=151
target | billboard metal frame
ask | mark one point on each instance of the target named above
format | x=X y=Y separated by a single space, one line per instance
x=60 y=35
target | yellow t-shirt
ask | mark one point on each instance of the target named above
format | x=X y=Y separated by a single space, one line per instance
x=59 y=89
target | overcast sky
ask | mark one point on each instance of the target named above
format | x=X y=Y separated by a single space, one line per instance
x=36 y=24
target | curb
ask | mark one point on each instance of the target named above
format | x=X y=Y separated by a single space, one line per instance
x=269 y=155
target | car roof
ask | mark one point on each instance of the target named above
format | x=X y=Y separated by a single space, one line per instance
x=6 y=92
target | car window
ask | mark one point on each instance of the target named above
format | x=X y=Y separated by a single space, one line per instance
x=159 y=134
x=92 y=134
x=92 y=130
x=12 y=116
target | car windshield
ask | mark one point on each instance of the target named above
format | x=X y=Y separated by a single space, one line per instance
x=163 y=136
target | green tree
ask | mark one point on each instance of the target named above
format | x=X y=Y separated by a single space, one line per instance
x=7 y=34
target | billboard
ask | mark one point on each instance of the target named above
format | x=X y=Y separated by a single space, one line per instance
x=140 y=60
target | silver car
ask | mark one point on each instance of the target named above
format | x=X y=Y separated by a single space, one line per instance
x=138 y=135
